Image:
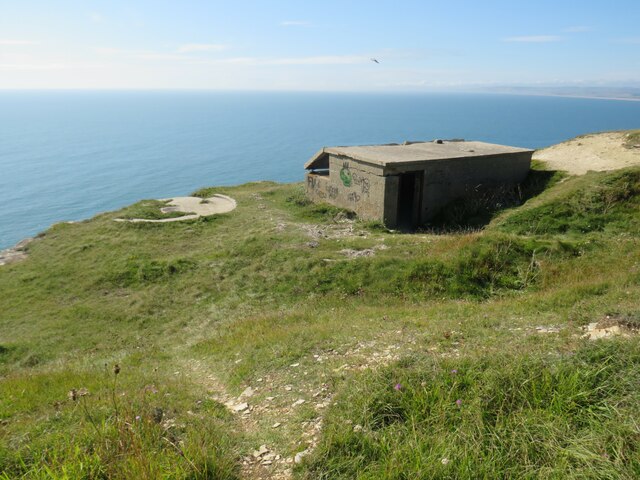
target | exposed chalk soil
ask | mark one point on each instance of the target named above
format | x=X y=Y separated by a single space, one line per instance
x=595 y=152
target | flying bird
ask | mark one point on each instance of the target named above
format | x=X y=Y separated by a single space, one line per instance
x=374 y=60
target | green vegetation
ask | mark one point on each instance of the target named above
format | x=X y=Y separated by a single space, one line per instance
x=596 y=202
x=111 y=429
x=632 y=139
x=149 y=210
x=489 y=417
x=321 y=315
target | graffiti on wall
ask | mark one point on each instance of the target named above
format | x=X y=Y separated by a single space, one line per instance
x=312 y=182
x=315 y=185
x=345 y=174
x=323 y=189
x=353 y=197
x=362 y=181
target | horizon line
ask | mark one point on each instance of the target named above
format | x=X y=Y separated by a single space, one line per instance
x=492 y=90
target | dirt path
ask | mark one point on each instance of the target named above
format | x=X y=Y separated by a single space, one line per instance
x=264 y=462
x=598 y=151
x=268 y=409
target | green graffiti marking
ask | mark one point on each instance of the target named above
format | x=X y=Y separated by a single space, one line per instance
x=345 y=175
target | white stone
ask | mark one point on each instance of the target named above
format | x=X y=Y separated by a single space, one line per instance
x=263 y=450
x=248 y=392
x=300 y=455
x=240 y=407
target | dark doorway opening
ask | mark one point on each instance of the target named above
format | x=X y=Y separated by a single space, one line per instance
x=409 y=195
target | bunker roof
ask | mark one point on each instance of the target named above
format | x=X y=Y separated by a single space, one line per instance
x=411 y=152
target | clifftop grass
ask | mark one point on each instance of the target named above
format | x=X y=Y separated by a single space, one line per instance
x=594 y=202
x=494 y=417
x=198 y=311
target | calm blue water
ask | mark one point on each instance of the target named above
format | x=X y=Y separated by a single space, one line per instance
x=69 y=155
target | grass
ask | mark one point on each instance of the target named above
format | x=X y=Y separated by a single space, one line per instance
x=150 y=210
x=607 y=204
x=266 y=297
x=88 y=424
x=564 y=416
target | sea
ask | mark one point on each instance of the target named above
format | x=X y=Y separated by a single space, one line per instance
x=68 y=155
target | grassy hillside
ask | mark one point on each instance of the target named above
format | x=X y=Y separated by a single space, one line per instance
x=368 y=353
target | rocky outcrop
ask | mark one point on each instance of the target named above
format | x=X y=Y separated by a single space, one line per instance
x=16 y=253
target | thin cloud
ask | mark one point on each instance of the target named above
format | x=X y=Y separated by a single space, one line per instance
x=96 y=17
x=139 y=54
x=157 y=56
x=284 y=61
x=294 y=23
x=202 y=47
x=32 y=66
x=180 y=54
x=6 y=42
x=321 y=60
x=534 y=39
x=629 y=40
x=577 y=29
x=110 y=51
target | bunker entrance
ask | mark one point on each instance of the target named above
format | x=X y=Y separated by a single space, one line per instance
x=409 y=195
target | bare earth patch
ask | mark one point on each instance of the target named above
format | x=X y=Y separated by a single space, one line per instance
x=341 y=229
x=367 y=252
x=597 y=152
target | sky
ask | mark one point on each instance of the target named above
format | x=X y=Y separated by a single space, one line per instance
x=313 y=45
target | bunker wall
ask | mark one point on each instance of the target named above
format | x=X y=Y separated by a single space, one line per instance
x=351 y=185
x=372 y=192
x=447 y=180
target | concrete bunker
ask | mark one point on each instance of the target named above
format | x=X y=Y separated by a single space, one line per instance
x=405 y=185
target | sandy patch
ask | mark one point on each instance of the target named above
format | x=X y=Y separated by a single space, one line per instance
x=194 y=206
x=598 y=151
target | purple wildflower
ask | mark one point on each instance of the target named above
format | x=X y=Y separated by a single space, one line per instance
x=459 y=402
x=454 y=371
x=398 y=387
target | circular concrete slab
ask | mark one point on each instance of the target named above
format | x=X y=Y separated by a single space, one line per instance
x=194 y=207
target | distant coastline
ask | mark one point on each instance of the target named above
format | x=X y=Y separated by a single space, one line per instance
x=624 y=94
x=564 y=95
